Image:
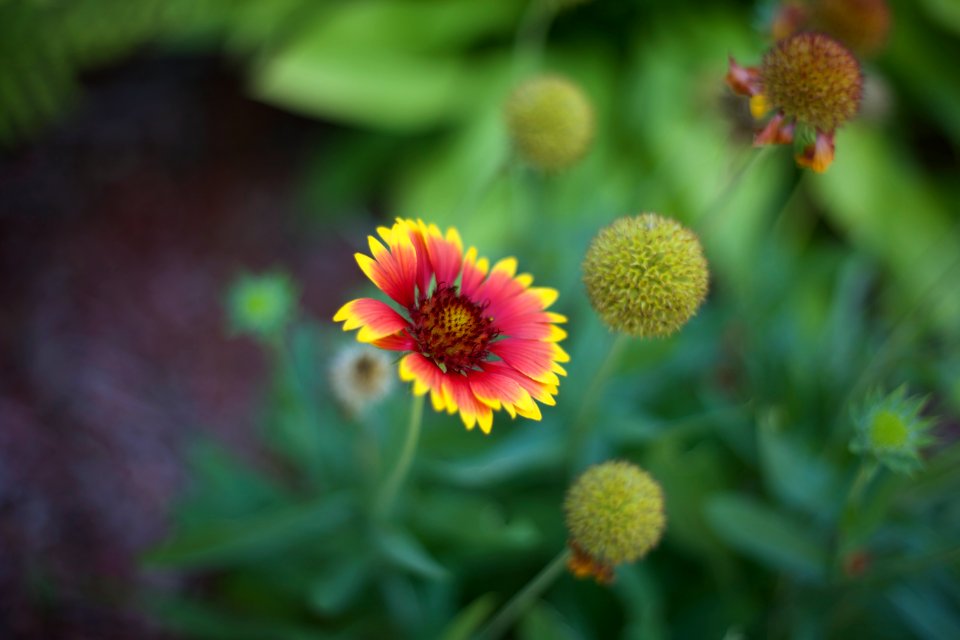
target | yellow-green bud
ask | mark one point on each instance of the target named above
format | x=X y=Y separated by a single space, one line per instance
x=888 y=431
x=550 y=121
x=261 y=305
x=645 y=275
x=614 y=513
x=891 y=430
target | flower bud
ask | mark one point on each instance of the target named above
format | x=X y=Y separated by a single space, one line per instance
x=550 y=121
x=262 y=305
x=890 y=429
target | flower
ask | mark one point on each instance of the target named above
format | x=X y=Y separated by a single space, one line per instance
x=614 y=513
x=479 y=338
x=889 y=428
x=645 y=275
x=550 y=121
x=862 y=25
x=360 y=377
x=261 y=305
x=808 y=80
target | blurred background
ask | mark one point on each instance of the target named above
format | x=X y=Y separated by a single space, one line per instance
x=169 y=468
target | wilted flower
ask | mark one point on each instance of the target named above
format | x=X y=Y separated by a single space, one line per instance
x=645 y=275
x=479 y=338
x=360 y=377
x=808 y=80
x=614 y=513
x=261 y=305
x=862 y=25
x=890 y=429
x=550 y=121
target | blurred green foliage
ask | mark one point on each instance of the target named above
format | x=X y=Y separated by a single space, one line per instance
x=823 y=288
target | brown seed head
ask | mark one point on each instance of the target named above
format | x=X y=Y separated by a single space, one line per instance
x=814 y=79
x=863 y=25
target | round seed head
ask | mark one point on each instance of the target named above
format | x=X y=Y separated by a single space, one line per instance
x=814 y=79
x=360 y=377
x=550 y=121
x=645 y=275
x=614 y=513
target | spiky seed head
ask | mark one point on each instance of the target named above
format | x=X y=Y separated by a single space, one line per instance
x=550 y=121
x=614 y=513
x=814 y=79
x=645 y=275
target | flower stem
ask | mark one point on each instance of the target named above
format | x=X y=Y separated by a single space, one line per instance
x=520 y=602
x=581 y=424
x=399 y=472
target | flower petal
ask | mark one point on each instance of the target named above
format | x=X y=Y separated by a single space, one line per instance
x=374 y=318
x=393 y=269
x=532 y=358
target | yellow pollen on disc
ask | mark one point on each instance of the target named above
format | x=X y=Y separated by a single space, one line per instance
x=452 y=331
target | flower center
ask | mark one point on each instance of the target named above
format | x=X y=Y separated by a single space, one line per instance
x=452 y=330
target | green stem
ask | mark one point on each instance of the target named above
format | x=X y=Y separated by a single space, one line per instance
x=520 y=602
x=399 y=472
x=868 y=469
x=581 y=424
x=860 y=482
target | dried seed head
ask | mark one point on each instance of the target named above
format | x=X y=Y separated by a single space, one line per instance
x=360 y=377
x=813 y=79
x=550 y=121
x=645 y=275
x=863 y=25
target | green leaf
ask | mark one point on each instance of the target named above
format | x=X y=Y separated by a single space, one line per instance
x=543 y=621
x=231 y=540
x=926 y=611
x=334 y=590
x=792 y=472
x=521 y=453
x=403 y=550
x=196 y=620
x=469 y=619
x=767 y=536
x=866 y=192
x=440 y=516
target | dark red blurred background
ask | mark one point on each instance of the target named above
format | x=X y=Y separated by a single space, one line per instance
x=120 y=229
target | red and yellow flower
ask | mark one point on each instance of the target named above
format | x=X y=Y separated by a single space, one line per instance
x=479 y=338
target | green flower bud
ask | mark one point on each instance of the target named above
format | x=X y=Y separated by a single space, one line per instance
x=890 y=430
x=645 y=275
x=261 y=306
x=614 y=513
x=550 y=121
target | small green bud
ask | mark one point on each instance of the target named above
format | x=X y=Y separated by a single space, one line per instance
x=890 y=429
x=614 y=513
x=550 y=121
x=261 y=306
x=645 y=275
